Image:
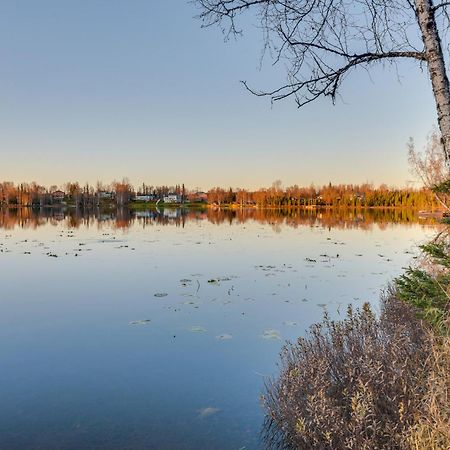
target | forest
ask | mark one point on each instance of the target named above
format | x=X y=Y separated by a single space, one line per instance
x=276 y=196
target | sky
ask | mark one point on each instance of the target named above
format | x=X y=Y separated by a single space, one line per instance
x=105 y=89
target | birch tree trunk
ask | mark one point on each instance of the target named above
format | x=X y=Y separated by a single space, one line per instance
x=436 y=69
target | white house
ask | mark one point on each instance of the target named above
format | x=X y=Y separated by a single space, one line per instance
x=143 y=198
x=172 y=198
x=105 y=194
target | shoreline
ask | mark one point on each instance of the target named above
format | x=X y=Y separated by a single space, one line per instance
x=135 y=206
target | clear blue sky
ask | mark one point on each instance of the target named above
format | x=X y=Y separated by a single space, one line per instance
x=101 y=89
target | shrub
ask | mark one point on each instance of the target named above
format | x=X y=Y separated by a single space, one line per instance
x=352 y=384
x=427 y=288
x=432 y=428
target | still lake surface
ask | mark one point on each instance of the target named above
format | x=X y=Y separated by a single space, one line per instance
x=157 y=329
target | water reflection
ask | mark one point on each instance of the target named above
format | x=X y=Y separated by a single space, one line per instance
x=125 y=218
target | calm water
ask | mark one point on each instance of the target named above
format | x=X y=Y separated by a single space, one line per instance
x=157 y=330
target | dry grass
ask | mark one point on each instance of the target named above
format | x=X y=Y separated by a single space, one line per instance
x=354 y=384
x=432 y=428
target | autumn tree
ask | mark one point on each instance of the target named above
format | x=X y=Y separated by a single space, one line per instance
x=8 y=192
x=123 y=190
x=72 y=189
x=322 y=41
x=217 y=195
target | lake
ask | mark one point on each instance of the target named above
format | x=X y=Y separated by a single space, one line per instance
x=157 y=329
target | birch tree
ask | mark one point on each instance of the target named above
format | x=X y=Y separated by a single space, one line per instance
x=322 y=41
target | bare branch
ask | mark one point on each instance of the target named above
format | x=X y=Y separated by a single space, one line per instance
x=441 y=5
x=320 y=41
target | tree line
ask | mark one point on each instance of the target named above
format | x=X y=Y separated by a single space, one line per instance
x=72 y=192
x=276 y=196
x=340 y=195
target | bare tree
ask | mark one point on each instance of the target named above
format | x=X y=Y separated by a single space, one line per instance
x=429 y=166
x=322 y=41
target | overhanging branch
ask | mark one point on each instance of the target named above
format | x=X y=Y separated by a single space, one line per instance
x=328 y=82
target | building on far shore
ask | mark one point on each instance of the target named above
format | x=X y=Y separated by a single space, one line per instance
x=172 y=198
x=58 y=196
x=105 y=195
x=143 y=198
x=198 y=197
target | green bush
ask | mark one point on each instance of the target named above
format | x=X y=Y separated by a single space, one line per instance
x=428 y=290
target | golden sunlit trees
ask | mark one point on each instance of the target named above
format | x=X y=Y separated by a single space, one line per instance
x=123 y=190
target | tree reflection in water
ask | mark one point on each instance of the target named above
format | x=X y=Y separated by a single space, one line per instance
x=340 y=218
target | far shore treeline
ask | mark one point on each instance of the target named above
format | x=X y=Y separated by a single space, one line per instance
x=123 y=193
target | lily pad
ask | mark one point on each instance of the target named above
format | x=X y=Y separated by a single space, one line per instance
x=140 y=322
x=271 y=334
x=224 y=337
x=208 y=411
x=197 y=329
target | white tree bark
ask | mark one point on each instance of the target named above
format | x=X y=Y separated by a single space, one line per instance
x=436 y=69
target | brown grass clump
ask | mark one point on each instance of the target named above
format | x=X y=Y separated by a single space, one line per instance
x=432 y=428
x=354 y=384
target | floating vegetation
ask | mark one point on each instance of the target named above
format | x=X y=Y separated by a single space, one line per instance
x=265 y=267
x=271 y=334
x=197 y=329
x=140 y=322
x=224 y=337
x=208 y=411
x=161 y=294
x=224 y=279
